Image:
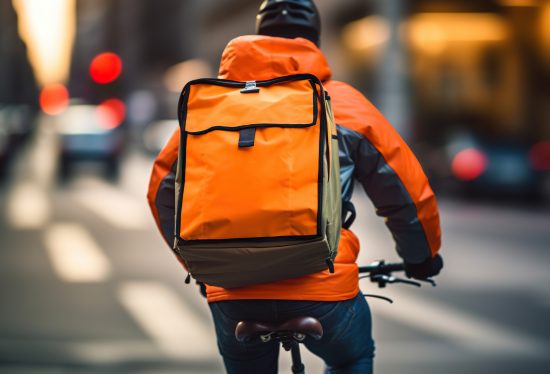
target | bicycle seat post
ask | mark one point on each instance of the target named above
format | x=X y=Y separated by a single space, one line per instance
x=291 y=342
x=297 y=365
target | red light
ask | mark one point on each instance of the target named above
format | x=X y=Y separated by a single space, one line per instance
x=469 y=164
x=105 y=67
x=54 y=98
x=539 y=155
x=111 y=113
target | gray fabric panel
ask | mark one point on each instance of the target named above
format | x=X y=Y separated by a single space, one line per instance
x=389 y=195
x=348 y=141
x=166 y=205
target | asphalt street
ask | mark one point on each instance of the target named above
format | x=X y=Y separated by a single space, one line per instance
x=88 y=286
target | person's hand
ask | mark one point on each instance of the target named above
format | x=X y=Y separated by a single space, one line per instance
x=427 y=269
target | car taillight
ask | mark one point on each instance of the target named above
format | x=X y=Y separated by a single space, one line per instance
x=111 y=113
x=105 y=67
x=539 y=156
x=54 y=99
x=469 y=164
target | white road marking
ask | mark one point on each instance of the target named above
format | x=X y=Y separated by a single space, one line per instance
x=464 y=329
x=140 y=354
x=42 y=159
x=472 y=333
x=112 y=205
x=28 y=206
x=74 y=254
x=135 y=175
x=175 y=328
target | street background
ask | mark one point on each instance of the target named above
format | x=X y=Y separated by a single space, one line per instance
x=86 y=282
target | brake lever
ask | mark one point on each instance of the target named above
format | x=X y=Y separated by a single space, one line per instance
x=382 y=279
x=406 y=281
x=379 y=297
x=429 y=280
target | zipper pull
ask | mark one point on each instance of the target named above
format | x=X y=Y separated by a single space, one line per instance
x=330 y=265
x=188 y=278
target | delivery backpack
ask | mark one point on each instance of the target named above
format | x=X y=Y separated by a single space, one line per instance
x=258 y=195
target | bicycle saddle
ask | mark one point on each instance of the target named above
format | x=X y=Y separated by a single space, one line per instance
x=299 y=328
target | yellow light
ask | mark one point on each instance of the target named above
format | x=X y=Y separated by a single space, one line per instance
x=48 y=28
x=366 y=33
x=545 y=31
x=519 y=3
x=431 y=37
x=433 y=32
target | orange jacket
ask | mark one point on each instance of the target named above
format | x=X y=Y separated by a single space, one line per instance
x=371 y=151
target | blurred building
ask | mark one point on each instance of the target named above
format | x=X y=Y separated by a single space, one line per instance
x=18 y=84
x=149 y=36
x=18 y=88
x=434 y=67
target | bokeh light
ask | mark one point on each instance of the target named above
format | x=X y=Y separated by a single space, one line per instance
x=105 y=67
x=54 y=99
x=539 y=155
x=469 y=164
x=111 y=113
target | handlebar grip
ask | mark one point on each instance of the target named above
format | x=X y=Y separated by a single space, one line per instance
x=382 y=268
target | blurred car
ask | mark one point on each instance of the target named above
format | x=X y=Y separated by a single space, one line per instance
x=90 y=133
x=16 y=124
x=499 y=168
x=157 y=133
x=4 y=149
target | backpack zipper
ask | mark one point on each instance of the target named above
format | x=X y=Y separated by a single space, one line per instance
x=330 y=265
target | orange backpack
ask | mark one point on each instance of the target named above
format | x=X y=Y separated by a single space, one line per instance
x=258 y=195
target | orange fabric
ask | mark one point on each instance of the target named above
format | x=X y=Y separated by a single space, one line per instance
x=267 y=58
x=354 y=110
x=253 y=202
x=258 y=57
x=289 y=103
x=275 y=175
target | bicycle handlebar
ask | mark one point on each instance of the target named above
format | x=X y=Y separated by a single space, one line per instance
x=381 y=273
x=380 y=267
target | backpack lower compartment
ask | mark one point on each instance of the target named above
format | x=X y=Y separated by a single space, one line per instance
x=242 y=263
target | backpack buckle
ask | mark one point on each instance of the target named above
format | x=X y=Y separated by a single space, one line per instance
x=250 y=87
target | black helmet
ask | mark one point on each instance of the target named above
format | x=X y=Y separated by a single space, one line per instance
x=289 y=19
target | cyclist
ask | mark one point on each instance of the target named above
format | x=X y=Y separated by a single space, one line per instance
x=371 y=151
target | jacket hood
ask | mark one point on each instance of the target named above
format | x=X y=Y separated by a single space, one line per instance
x=260 y=57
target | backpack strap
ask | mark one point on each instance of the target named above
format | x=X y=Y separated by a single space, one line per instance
x=348 y=207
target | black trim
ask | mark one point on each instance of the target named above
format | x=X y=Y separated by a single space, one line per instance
x=181 y=159
x=322 y=138
x=220 y=82
x=254 y=125
x=251 y=240
x=263 y=83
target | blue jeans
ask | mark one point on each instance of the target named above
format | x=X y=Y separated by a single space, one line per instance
x=346 y=347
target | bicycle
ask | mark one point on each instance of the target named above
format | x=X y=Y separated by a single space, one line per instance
x=292 y=332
